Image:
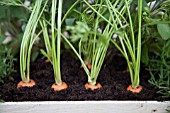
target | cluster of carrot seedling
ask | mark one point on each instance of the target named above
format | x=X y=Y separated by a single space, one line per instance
x=107 y=19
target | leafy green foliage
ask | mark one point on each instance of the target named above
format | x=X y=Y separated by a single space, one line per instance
x=2 y=101
x=6 y=64
x=81 y=38
x=167 y=110
x=144 y=56
x=163 y=30
x=8 y=2
x=80 y=31
x=156 y=45
x=12 y=22
x=69 y=21
x=159 y=67
x=67 y=4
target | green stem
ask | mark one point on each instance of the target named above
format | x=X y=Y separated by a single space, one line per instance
x=59 y=40
x=131 y=28
x=25 y=44
x=57 y=74
x=137 y=66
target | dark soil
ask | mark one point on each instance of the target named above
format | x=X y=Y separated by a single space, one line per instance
x=113 y=77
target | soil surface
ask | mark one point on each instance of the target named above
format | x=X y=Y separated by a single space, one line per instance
x=113 y=77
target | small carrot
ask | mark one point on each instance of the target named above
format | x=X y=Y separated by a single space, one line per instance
x=88 y=65
x=47 y=61
x=92 y=87
x=135 y=90
x=26 y=84
x=59 y=87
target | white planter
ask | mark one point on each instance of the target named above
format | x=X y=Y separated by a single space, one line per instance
x=85 y=107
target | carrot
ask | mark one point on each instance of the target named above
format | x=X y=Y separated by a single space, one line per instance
x=59 y=87
x=88 y=65
x=134 y=90
x=47 y=61
x=26 y=84
x=92 y=87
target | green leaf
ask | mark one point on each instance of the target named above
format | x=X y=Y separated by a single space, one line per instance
x=1 y=81
x=44 y=53
x=67 y=4
x=3 y=11
x=103 y=39
x=144 y=55
x=167 y=110
x=156 y=48
x=66 y=45
x=70 y=21
x=164 y=31
x=79 y=31
x=18 y=12
x=135 y=2
x=75 y=38
x=34 y=56
x=2 y=38
x=144 y=6
x=2 y=101
x=9 y=1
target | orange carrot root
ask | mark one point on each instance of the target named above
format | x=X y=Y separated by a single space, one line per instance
x=88 y=65
x=47 y=61
x=92 y=87
x=59 y=87
x=25 y=84
x=134 y=90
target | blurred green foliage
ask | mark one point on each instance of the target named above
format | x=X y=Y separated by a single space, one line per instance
x=12 y=23
x=156 y=44
x=6 y=64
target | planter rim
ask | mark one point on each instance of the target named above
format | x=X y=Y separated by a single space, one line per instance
x=85 y=102
x=85 y=107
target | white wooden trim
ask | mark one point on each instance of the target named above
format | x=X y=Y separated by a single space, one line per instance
x=85 y=107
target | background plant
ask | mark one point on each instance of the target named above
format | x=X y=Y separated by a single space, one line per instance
x=80 y=34
x=14 y=17
x=13 y=20
x=6 y=64
x=156 y=44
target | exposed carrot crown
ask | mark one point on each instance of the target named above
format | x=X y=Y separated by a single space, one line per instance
x=92 y=87
x=56 y=87
x=134 y=90
x=26 y=84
